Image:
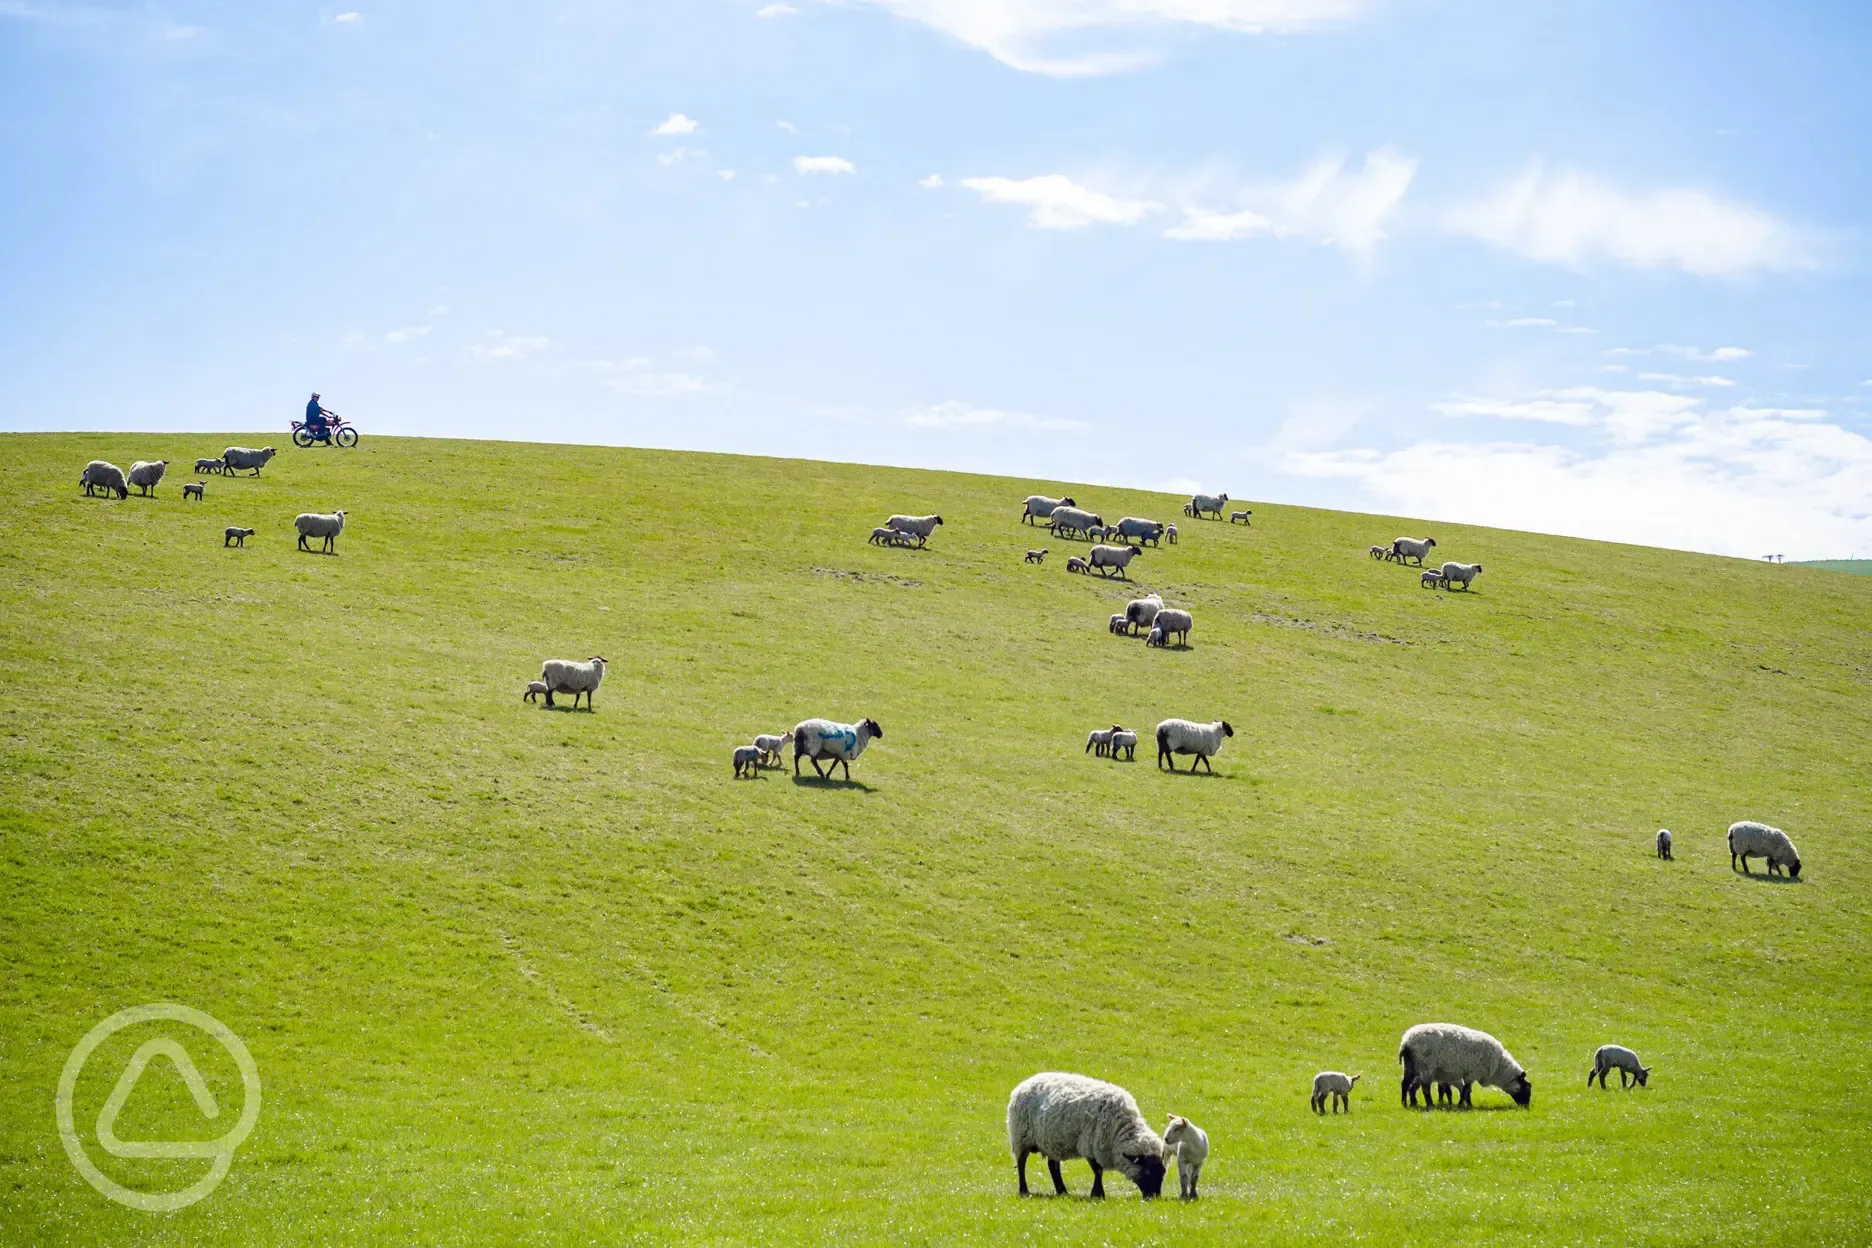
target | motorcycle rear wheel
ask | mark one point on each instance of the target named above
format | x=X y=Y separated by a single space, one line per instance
x=302 y=437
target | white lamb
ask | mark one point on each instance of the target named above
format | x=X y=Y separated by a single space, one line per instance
x=1204 y=504
x=1242 y=516
x=1460 y=574
x=1098 y=739
x=1431 y=578
x=1610 y=1057
x=1157 y=637
x=1182 y=736
x=1123 y=739
x=1037 y=556
x=1189 y=1143
x=1175 y=621
x=236 y=457
x=210 y=465
x=1748 y=839
x=1330 y=1083
x=771 y=745
x=1378 y=552
x=312 y=524
x=1062 y=1116
x=1171 y=533
x=746 y=760
x=533 y=690
x=1042 y=506
x=880 y=535
x=146 y=473
x=193 y=489
x=568 y=676
x=1117 y=625
x=1448 y=1053
x=1120 y=557
x=1411 y=548
x=838 y=744
x=1664 y=844
x=919 y=527
x=1076 y=564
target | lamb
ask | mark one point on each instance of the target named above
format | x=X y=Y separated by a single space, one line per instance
x=1076 y=564
x=1119 y=557
x=1617 y=1056
x=1073 y=520
x=1330 y=1083
x=1412 y=548
x=1432 y=578
x=746 y=760
x=919 y=527
x=1123 y=739
x=1170 y=532
x=1062 y=1116
x=903 y=540
x=1098 y=739
x=1460 y=573
x=1189 y=509
x=312 y=524
x=1097 y=533
x=569 y=676
x=1190 y=1144
x=194 y=489
x=1117 y=624
x=533 y=690
x=1664 y=844
x=246 y=457
x=1175 y=620
x=1138 y=529
x=1036 y=556
x=102 y=475
x=1182 y=736
x=1203 y=504
x=1140 y=612
x=1446 y=1053
x=1157 y=637
x=1241 y=516
x=838 y=744
x=210 y=466
x=233 y=535
x=880 y=535
x=145 y=474
x=1042 y=506
x=1379 y=552
x=1748 y=839
x=771 y=745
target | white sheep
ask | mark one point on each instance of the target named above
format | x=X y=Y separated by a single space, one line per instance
x=1664 y=844
x=880 y=535
x=1098 y=739
x=1203 y=504
x=1073 y=520
x=1175 y=620
x=1120 y=557
x=312 y=524
x=210 y=465
x=1241 y=516
x=1076 y=564
x=103 y=475
x=145 y=474
x=1171 y=533
x=1123 y=739
x=838 y=744
x=771 y=745
x=1182 y=736
x=1062 y=1116
x=746 y=760
x=193 y=489
x=1156 y=637
x=246 y=457
x=533 y=690
x=1610 y=1057
x=1431 y=578
x=1141 y=612
x=1037 y=556
x=1189 y=1144
x=575 y=678
x=1330 y=1083
x=1748 y=839
x=1137 y=529
x=1460 y=574
x=1403 y=548
x=234 y=535
x=1042 y=506
x=919 y=527
x=1117 y=625
x=1447 y=1053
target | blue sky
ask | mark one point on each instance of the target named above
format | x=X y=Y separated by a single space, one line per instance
x=1591 y=268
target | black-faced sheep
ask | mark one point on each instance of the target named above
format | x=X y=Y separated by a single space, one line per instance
x=1062 y=1116
x=1748 y=839
x=1182 y=736
x=838 y=744
x=1448 y=1053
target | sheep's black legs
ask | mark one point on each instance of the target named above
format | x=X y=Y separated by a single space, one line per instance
x=1098 y=1181
x=815 y=767
x=1464 y=1102
x=1059 y=1184
x=1020 y=1168
x=846 y=765
x=1204 y=760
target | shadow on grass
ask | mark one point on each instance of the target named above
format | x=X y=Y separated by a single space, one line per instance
x=815 y=782
x=1764 y=877
x=1203 y=775
x=566 y=710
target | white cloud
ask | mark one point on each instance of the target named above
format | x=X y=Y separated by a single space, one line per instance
x=823 y=164
x=1029 y=34
x=408 y=333
x=726 y=175
x=787 y=126
x=1326 y=203
x=677 y=155
x=776 y=10
x=953 y=416
x=1200 y=225
x=500 y=346
x=1185 y=486
x=1056 y=202
x=1675 y=379
x=932 y=182
x=676 y=123
x=176 y=34
x=349 y=18
x=669 y=385
x=1572 y=218
x=1553 y=411
x=1532 y=322
x=1721 y=355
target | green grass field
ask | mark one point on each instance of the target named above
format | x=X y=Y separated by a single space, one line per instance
x=1860 y=567
x=512 y=975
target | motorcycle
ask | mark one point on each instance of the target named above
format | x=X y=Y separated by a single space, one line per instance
x=337 y=430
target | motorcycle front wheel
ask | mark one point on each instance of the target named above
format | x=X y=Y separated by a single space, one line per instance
x=347 y=437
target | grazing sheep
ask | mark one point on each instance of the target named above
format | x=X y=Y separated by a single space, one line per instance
x=210 y=466
x=1205 y=504
x=569 y=676
x=1137 y=529
x=193 y=489
x=746 y=760
x=919 y=527
x=1037 y=556
x=770 y=745
x=1379 y=552
x=1170 y=532
x=1063 y=1116
x=1075 y=564
x=1447 y=1053
x=102 y=475
x=1182 y=736
x=1156 y=637
x=1120 y=557
x=246 y=457
x=1330 y=1083
x=1042 y=506
x=1175 y=620
x=234 y=536
x=1117 y=624
x=1098 y=739
x=145 y=474
x=1072 y=520
x=1242 y=516
x=1140 y=612
x=1190 y=1145
x=838 y=744
x=1123 y=739
x=1432 y=578
x=1664 y=844
x=1460 y=574
x=533 y=691
x=1403 y=548
x=1748 y=839
x=312 y=524
x=880 y=535
x=1616 y=1056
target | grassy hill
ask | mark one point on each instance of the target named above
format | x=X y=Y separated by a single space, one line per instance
x=512 y=975
x=1859 y=567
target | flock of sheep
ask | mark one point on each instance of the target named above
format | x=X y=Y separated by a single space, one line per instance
x=1449 y=575
x=103 y=477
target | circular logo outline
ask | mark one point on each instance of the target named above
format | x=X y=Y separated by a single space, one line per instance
x=222 y=1150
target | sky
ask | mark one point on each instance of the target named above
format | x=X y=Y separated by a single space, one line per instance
x=1584 y=266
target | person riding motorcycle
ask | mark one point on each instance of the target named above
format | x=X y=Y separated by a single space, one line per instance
x=315 y=416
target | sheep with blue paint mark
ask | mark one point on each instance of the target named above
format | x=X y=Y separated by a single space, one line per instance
x=839 y=745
